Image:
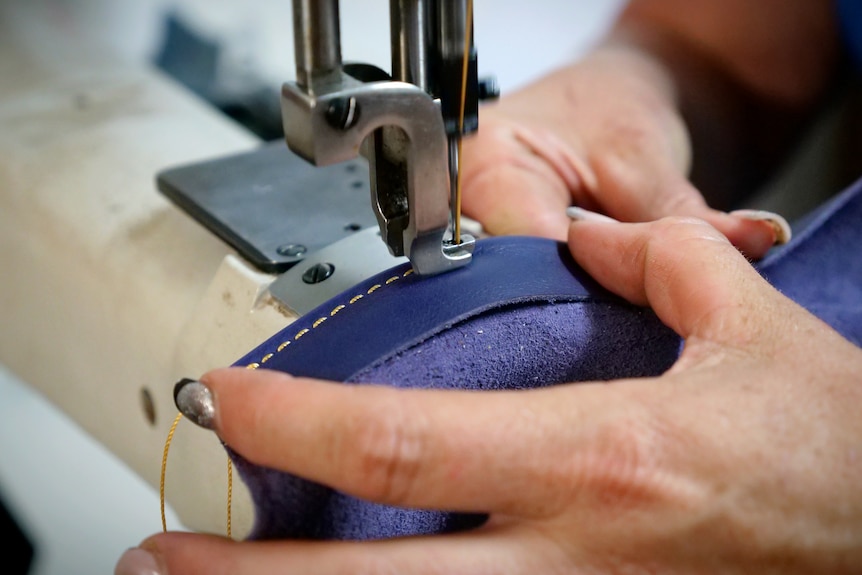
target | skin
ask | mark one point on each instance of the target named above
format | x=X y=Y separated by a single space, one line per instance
x=727 y=84
x=742 y=458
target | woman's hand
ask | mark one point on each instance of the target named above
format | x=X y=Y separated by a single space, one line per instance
x=603 y=134
x=744 y=458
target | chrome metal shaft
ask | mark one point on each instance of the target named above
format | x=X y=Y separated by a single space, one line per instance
x=316 y=39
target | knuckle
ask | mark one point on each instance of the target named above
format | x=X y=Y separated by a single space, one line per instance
x=388 y=454
x=621 y=468
x=676 y=227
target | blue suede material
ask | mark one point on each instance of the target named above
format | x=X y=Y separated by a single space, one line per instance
x=527 y=317
x=850 y=20
x=821 y=269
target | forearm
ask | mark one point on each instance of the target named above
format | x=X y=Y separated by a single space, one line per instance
x=619 y=130
x=747 y=77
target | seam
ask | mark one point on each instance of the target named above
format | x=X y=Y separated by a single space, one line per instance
x=323 y=319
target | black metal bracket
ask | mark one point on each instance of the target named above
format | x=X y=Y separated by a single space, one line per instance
x=272 y=206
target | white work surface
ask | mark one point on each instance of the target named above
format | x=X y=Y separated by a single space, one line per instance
x=81 y=504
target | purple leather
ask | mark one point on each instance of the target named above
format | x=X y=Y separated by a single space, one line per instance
x=522 y=315
x=821 y=269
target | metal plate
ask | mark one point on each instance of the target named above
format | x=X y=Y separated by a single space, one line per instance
x=264 y=201
x=353 y=260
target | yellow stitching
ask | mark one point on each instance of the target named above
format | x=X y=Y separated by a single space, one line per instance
x=164 y=468
x=229 y=494
x=254 y=365
x=319 y=321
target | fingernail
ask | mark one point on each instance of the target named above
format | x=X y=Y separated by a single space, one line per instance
x=136 y=561
x=781 y=229
x=582 y=215
x=195 y=401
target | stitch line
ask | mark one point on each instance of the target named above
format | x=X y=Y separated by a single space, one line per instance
x=321 y=320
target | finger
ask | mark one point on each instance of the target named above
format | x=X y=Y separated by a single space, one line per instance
x=517 y=182
x=513 y=199
x=501 y=551
x=750 y=236
x=635 y=190
x=687 y=271
x=753 y=237
x=450 y=450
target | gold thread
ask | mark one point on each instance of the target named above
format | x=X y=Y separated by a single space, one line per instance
x=229 y=495
x=165 y=467
x=253 y=365
x=456 y=231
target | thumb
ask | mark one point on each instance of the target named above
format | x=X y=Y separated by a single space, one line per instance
x=689 y=273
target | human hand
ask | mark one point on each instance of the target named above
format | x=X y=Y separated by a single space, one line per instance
x=743 y=458
x=603 y=134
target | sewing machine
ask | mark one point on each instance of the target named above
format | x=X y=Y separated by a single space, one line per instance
x=408 y=125
x=404 y=122
x=152 y=268
x=111 y=293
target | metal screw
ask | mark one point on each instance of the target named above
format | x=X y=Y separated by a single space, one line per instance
x=343 y=113
x=291 y=250
x=317 y=273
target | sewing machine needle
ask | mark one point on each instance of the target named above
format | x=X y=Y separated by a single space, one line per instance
x=455 y=187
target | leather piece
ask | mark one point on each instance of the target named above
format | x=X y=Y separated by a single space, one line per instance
x=821 y=268
x=521 y=315
x=850 y=21
x=396 y=310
